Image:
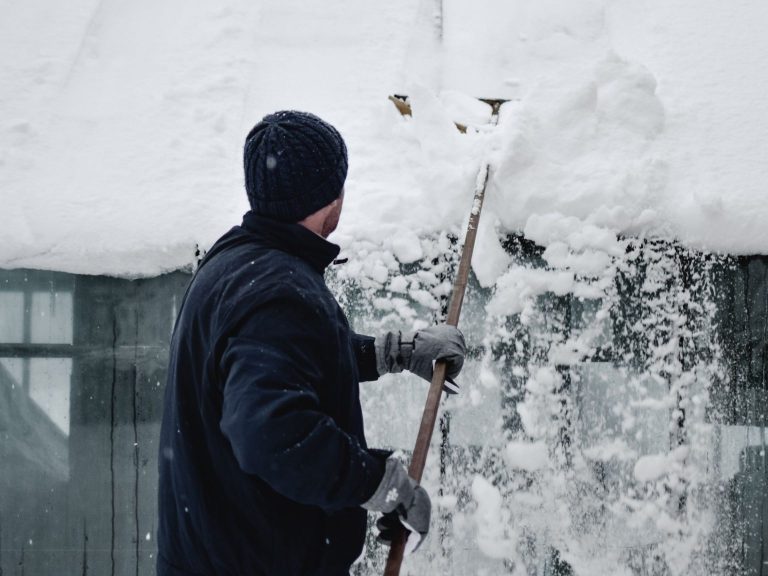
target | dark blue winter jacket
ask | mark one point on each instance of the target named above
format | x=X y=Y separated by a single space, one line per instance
x=263 y=460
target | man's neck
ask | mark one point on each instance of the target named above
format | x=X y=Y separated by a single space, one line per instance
x=317 y=230
x=317 y=222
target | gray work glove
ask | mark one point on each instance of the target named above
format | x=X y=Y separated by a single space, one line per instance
x=417 y=352
x=399 y=494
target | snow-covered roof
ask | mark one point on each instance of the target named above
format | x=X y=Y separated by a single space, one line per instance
x=122 y=124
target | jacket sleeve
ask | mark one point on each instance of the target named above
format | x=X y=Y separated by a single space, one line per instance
x=365 y=354
x=272 y=416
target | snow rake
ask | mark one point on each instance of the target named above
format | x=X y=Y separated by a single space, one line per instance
x=429 y=416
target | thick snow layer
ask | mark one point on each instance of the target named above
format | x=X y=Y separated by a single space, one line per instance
x=122 y=125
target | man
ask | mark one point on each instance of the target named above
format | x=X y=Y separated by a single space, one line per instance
x=264 y=468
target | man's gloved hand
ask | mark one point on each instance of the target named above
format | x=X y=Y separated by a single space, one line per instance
x=399 y=496
x=417 y=352
x=387 y=525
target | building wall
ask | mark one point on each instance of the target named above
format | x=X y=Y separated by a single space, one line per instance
x=82 y=368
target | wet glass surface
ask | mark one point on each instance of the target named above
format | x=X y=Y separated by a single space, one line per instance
x=82 y=367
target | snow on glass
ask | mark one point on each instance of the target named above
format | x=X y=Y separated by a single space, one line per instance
x=551 y=453
x=579 y=443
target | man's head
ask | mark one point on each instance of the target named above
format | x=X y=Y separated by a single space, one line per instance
x=295 y=166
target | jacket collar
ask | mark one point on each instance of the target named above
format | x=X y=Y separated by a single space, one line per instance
x=291 y=238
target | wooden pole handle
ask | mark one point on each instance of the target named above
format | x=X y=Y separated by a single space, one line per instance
x=429 y=417
x=418 y=461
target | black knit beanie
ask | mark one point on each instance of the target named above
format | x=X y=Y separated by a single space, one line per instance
x=295 y=163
